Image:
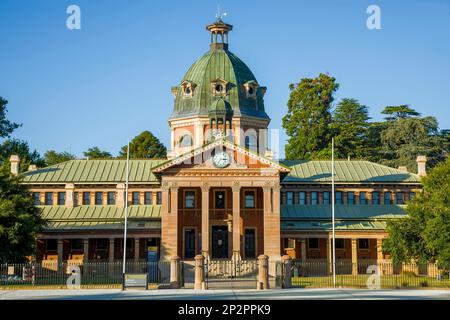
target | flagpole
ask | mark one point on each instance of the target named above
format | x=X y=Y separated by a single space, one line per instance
x=332 y=211
x=126 y=211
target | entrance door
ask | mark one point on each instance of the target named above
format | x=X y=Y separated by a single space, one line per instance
x=250 y=243
x=189 y=243
x=219 y=242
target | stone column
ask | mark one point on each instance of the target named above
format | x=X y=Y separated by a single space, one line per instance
x=263 y=275
x=136 y=249
x=69 y=195
x=60 y=251
x=175 y=272
x=379 y=250
x=85 y=250
x=236 y=221
x=330 y=255
x=199 y=283
x=120 y=201
x=198 y=135
x=169 y=221
x=354 y=256
x=205 y=220
x=303 y=249
x=111 y=250
x=287 y=266
x=272 y=222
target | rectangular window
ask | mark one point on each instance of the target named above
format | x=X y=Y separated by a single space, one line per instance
x=375 y=197
x=339 y=244
x=387 y=198
x=148 y=197
x=326 y=197
x=399 y=197
x=99 y=198
x=249 y=199
x=314 y=197
x=49 y=198
x=189 y=200
x=37 y=198
x=363 y=244
x=338 y=197
x=289 y=197
x=412 y=195
x=159 y=197
x=75 y=198
x=219 y=199
x=52 y=245
x=135 y=198
x=362 y=198
x=111 y=200
x=313 y=243
x=76 y=244
x=61 y=198
x=189 y=243
x=302 y=197
x=350 y=197
x=86 y=198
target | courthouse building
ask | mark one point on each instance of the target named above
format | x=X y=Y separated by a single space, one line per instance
x=220 y=192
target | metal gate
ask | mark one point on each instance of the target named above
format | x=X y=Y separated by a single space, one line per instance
x=226 y=274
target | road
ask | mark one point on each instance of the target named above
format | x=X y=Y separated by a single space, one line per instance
x=189 y=294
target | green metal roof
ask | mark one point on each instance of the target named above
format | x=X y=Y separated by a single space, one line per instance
x=295 y=226
x=350 y=212
x=218 y=64
x=101 y=217
x=303 y=171
x=95 y=171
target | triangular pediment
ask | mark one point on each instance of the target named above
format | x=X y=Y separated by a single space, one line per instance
x=239 y=159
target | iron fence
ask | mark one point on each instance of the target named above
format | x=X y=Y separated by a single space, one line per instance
x=93 y=274
x=224 y=273
x=366 y=274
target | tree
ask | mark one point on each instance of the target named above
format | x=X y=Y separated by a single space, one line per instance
x=20 y=220
x=350 y=129
x=96 y=153
x=52 y=157
x=424 y=235
x=308 y=118
x=399 y=112
x=22 y=149
x=145 y=146
x=6 y=126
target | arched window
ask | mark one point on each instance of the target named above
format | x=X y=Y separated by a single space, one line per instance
x=186 y=141
x=250 y=142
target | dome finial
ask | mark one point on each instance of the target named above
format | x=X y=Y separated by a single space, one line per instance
x=219 y=28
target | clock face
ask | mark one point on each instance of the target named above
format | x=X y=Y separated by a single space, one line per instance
x=221 y=159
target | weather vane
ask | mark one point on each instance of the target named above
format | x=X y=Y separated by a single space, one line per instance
x=219 y=14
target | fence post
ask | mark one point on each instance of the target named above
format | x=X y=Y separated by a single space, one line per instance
x=263 y=276
x=175 y=272
x=287 y=274
x=199 y=283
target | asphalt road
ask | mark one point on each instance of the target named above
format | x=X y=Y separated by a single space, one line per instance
x=189 y=294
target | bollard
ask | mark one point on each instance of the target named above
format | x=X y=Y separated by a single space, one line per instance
x=263 y=276
x=287 y=274
x=199 y=283
x=175 y=272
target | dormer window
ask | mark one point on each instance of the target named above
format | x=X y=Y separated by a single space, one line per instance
x=188 y=88
x=219 y=87
x=250 y=88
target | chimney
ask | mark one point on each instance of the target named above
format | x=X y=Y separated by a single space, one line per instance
x=32 y=167
x=421 y=166
x=268 y=154
x=14 y=160
x=403 y=168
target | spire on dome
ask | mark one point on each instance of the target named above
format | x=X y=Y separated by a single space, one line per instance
x=219 y=32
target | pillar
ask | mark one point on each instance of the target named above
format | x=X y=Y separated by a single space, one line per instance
x=175 y=272
x=236 y=221
x=85 y=250
x=272 y=221
x=70 y=187
x=60 y=250
x=169 y=221
x=198 y=137
x=120 y=201
x=199 y=283
x=330 y=255
x=263 y=275
x=136 y=249
x=111 y=250
x=379 y=250
x=354 y=256
x=303 y=249
x=287 y=267
x=205 y=220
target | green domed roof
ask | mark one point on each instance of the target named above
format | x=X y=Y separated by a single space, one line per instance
x=220 y=65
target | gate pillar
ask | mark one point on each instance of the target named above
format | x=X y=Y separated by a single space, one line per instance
x=199 y=283
x=175 y=272
x=287 y=274
x=263 y=275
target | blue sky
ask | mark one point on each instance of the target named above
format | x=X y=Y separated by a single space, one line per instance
x=98 y=86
